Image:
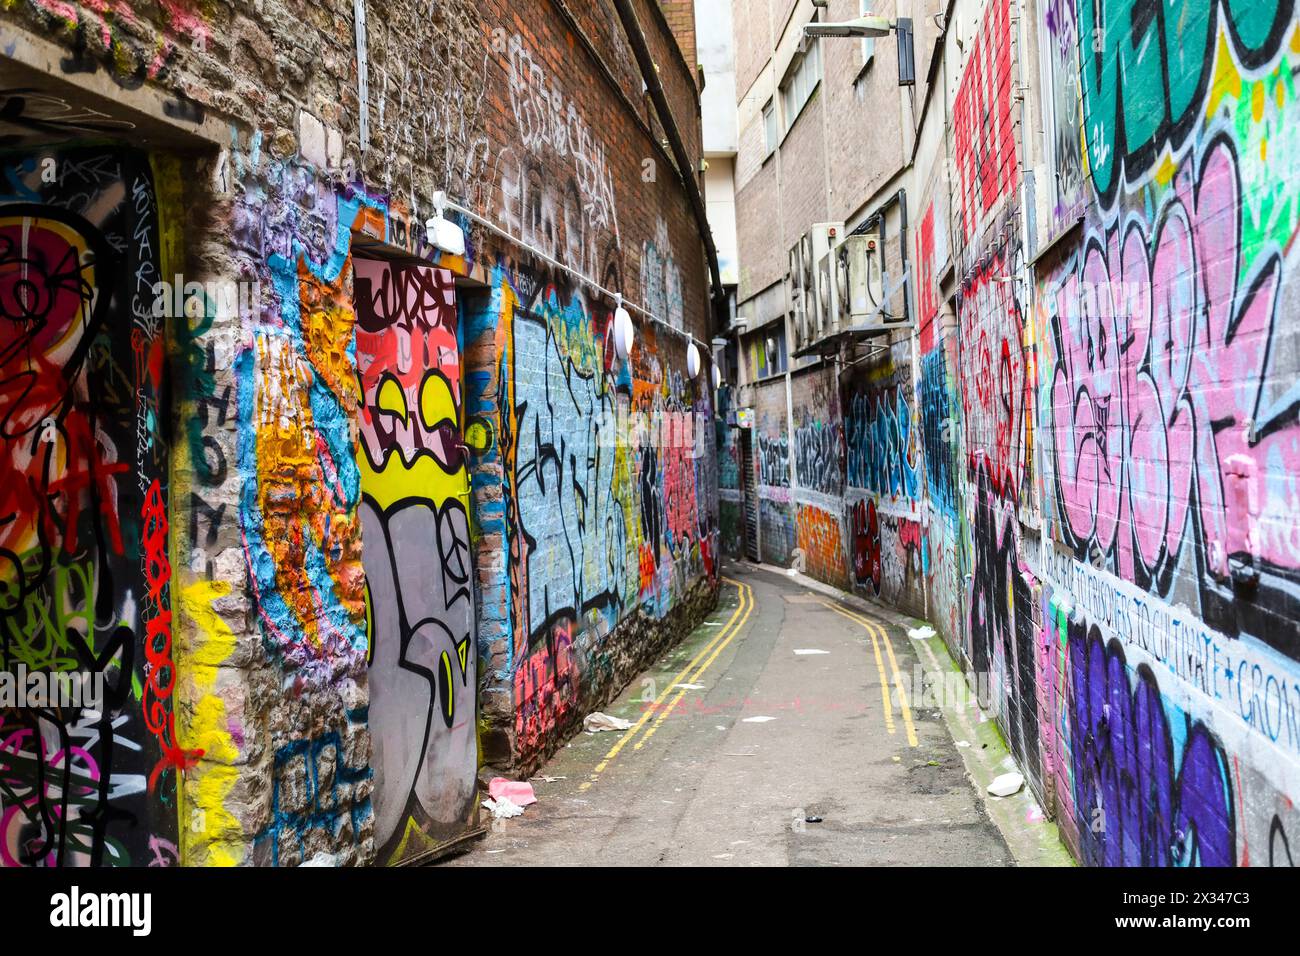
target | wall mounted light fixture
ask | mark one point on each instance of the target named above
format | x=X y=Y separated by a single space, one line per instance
x=870 y=26
x=442 y=233
x=624 y=330
x=692 y=360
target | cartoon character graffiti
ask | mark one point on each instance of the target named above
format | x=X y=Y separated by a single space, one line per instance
x=415 y=535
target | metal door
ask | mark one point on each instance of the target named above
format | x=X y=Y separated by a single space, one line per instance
x=416 y=555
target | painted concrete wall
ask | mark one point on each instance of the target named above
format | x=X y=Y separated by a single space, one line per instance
x=1168 y=460
x=720 y=196
x=240 y=475
x=715 y=47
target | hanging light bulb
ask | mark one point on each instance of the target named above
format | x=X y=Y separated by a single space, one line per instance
x=624 y=331
x=692 y=361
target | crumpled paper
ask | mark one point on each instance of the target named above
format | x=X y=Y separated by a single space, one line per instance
x=594 y=723
x=502 y=808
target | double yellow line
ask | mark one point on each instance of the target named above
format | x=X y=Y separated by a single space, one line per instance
x=689 y=674
x=875 y=631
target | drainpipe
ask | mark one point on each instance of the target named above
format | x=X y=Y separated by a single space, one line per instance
x=1024 y=284
x=650 y=76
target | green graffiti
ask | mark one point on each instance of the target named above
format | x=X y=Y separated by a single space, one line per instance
x=1146 y=70
x=1263 y=114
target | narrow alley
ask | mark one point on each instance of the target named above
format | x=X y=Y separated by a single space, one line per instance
x=447 y=435
x=774 y=735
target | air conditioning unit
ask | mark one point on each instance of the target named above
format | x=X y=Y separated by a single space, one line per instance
x=864 y=284
x=828 y=298
x=818 y=242
x=794 y=293
x=843 y=314
x=805 y=255
x=808 y=286
x=799 y=284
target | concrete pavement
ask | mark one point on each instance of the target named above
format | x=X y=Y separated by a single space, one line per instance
x=765 y=738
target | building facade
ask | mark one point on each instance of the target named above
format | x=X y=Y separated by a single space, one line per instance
x=338 y=511
x=1075 y=452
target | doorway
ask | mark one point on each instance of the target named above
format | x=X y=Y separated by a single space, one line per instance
x=749 y=494
x=416 y=556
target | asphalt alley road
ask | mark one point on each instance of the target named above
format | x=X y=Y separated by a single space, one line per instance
x=739 y=740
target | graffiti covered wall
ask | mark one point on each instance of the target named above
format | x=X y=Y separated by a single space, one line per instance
x=819 y=477
x=1109 y=426
x=1083 y=465
x=842 y=500
x=415 y=527
x=884 y=479
x=602 y=471
x=271 y=514
x=731 y=531
x=777 y=532
x=1169 y=420
x=85 y=550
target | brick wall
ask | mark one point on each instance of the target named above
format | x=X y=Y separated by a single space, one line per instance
x=865 y=143
x=680 y=16
x=803 y=174
x=753 y=40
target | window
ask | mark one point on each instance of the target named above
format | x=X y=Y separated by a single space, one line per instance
x=868 y=43
x=800 y=81
x=769 y=128
x=767 y=355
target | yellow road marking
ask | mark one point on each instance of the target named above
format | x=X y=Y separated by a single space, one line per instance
x=745 y=593
x=680 y=678
x=870 y=626
x=880 y=668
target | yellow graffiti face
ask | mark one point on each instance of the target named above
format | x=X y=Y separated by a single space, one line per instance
x=409 y=369
x=410 y=445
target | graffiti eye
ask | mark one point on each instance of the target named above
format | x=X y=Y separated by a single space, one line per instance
x=391 y=399
x=436 y=404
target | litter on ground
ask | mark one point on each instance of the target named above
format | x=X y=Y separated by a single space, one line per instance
x=595 y=723
x=1006 y=784
x=502 y=809
x=518 y=792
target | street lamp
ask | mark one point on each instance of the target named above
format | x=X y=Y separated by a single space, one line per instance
x=875 y=27
x=861 y=27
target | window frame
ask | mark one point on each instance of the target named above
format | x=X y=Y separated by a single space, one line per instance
x=804 y=71
x=771 y=128
x=868 y=43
